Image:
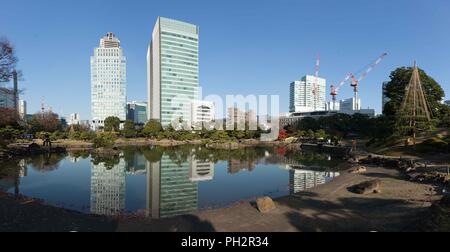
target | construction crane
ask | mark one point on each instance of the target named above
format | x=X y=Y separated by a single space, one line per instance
x=335 y=89
x=355 y=81
x=316 y=82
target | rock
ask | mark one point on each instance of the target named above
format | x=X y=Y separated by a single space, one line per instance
x=366 y=187
x=377 y=191
x=357 y=170
x=265 y=204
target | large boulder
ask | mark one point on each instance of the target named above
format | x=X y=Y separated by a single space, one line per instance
x=372 y=186
x=265 y=204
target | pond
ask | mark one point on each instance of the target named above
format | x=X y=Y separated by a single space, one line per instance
x=164 y=182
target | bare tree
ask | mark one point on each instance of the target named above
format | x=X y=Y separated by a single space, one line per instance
x=8 y=60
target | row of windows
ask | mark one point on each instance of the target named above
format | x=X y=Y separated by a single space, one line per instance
x=178 y=50
x=179 y=67
x=180 y=57
x=181 y=80
x=177 y=70
x=178 y=36
x=172 y=74
x=171 y=42
x=179 y=62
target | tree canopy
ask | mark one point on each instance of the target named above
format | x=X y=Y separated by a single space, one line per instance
x=112 y=123
x=395 y=91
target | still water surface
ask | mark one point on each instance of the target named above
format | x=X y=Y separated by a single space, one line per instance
x=164 y=182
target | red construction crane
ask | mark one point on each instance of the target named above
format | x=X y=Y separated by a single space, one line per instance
x=355 y=81
x=335 y=89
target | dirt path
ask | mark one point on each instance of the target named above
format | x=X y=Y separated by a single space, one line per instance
x=330 y=207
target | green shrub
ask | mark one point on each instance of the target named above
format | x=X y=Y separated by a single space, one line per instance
x=9 y=133
x=104 y=140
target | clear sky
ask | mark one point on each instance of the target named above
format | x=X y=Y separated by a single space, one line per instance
x=246 y=47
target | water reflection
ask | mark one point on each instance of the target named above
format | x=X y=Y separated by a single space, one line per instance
x=108 y=187
x=165 y=182
x=302 y=180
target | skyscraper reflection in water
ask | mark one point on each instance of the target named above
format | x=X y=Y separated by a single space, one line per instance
x=172 y=187
x=301 y=180
x=108 y=188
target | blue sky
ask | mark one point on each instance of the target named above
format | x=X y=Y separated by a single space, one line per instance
x=246 y=47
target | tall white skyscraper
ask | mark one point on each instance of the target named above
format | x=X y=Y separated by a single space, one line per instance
x=22 y=109
x=173 y=75
x=302 y=98
x=108 y=81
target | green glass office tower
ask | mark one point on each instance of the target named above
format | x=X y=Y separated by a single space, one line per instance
x=173 y=72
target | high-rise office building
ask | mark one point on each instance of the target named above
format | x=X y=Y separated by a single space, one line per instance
x=137 y=112
x=22 y=109
x=173 y=70
x=108 y=81
x=447 y=103
x=302 y=98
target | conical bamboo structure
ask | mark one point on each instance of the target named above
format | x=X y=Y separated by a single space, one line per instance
x=414 y=112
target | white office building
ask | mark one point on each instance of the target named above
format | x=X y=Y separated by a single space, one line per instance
x=202 y=112
x=74 y=119
x=108 y=81
x=173 y=70
x=22 y=109
x=302 y=98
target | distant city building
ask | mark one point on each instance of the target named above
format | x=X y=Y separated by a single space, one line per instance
x=202 y=112
x=333 y=106
x=74 y=119
x=108 y=81
x=137 y=112
x=350 y=105
x=384 y=98
x=173 y=70
x=302 y=98
x=447 y=103
x=6 y=98
x=240 y=117
x=22 y=109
